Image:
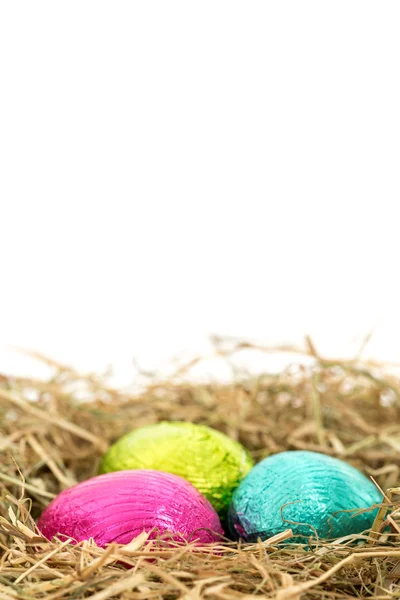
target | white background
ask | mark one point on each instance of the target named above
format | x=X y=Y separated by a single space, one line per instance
x=175 y=169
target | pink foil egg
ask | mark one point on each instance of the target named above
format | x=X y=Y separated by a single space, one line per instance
x=117 y=507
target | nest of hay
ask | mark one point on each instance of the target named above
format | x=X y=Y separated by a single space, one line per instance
x=53 y=434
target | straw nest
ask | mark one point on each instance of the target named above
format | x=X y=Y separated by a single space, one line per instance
x=53 y=434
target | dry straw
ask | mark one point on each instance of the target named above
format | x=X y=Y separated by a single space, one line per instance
x=348 y=409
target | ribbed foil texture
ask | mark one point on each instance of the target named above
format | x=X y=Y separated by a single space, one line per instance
x=119 y=506
x=210 y=460
x=319 y=488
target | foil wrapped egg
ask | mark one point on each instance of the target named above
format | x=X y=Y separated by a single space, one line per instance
x=117 y=507
x=210 y=460
x=306 y=491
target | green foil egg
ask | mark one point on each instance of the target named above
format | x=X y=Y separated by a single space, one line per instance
x=210 y=460
x=308 y=492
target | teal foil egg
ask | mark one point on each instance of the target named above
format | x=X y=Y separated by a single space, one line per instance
x=306 y=492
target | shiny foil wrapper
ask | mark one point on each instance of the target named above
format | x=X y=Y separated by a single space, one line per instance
x=307 y=492
x=117 y=507
x=210 y=460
